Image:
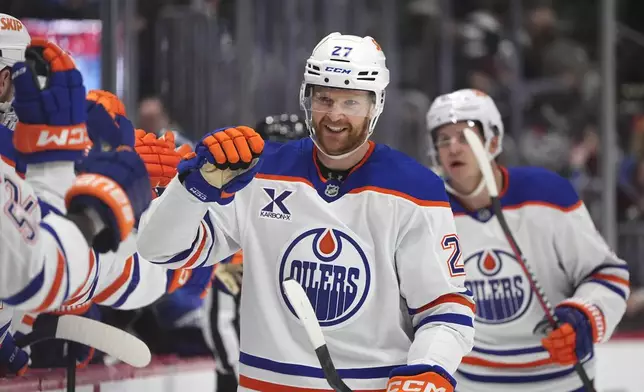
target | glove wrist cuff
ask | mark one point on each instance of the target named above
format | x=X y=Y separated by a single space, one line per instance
x=37 y=138
x=594 y=315
x=108 y=192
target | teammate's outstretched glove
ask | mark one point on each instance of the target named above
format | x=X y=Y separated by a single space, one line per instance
x=159 y=155
x=420 y=378
x=115 y=185
x=582 y=325
x=13 y=360
x=51 y=124
x=107 y=126
x=224 y=162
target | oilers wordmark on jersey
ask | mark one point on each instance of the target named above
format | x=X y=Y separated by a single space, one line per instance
x=333 y=270
x=500 y=286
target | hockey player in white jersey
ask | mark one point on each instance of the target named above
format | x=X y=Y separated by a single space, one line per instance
x=118 y=279
x=366 y=230
x=45 y=260
x=586 y=281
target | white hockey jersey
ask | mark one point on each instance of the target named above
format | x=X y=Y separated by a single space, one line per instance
x=568 y=256
x=377 y=255
x=42 y=260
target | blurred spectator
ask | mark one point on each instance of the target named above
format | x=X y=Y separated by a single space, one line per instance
x=154 y=118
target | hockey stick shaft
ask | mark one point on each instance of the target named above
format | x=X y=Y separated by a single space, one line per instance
x=490 y=183
x=302 y=307
x=71 y=368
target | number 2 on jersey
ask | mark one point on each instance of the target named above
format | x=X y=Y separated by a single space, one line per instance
x=454 y=262
x=20 y=211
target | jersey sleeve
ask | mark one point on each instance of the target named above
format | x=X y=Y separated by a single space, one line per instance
x=431 y=276
x=600 y=278
x=42 y=260
x=179 y=231
x=126 y=280
x=51 y=181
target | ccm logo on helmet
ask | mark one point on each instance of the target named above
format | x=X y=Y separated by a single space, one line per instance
x=337 y=70
x=413 y=386
x=10 y=24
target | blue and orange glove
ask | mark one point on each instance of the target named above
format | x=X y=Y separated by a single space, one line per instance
x=582 y=325
x=113 y=189
x=50 y=104
x=420 y=378
x=13 y=360
x=107 y=124
x=224 y=162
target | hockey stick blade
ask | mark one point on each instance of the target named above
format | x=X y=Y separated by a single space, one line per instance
x=302 y=307
x=490 y=183
x=103 y=337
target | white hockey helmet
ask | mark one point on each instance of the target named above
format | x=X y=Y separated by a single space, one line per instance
x=348 y=62
x=466 y=105
x=14 y=39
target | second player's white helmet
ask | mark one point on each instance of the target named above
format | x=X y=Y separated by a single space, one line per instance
x=348 y=62
x=466 y=105
x=14 y=39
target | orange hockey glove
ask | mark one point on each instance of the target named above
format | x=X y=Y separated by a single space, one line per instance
x=159 y=155
x=420 y=378
x=224 y=162
x=582 y=325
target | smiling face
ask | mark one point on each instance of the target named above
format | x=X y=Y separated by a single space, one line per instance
x=340 y=118
x=456 y=156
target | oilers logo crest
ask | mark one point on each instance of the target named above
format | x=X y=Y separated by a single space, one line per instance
x=500 y=287
x=333 y=270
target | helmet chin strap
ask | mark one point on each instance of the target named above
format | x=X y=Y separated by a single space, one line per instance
x=340 y=156
x=479 y=188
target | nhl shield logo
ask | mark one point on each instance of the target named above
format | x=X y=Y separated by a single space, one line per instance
x=332 y=190
x=333 y=270
x=500 y=287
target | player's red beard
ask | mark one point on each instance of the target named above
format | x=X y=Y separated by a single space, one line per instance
x=344 y=141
